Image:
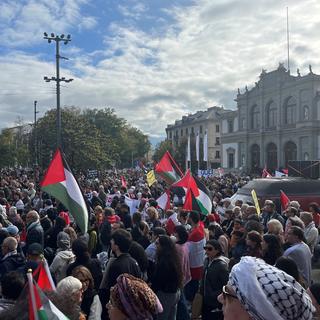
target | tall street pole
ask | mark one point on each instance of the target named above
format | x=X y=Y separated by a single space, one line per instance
x=57 y=79
x=58 y=95
x=35 y=133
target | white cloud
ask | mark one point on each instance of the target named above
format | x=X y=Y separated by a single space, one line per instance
x=24 y=23
x=153 y=78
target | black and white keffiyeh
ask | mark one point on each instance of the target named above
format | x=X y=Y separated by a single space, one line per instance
x=269 y=293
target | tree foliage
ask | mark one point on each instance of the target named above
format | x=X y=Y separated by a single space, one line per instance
x=93 y=138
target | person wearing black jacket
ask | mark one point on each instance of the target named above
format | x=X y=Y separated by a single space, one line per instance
x=167 y=279
x=34 y=229
x=123 y=263
x=215 y=276
x=81 y=251
x=11 y=259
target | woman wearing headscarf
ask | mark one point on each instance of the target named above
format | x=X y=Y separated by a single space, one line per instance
x=63 y=258
x=257 y=290
x=132 y=299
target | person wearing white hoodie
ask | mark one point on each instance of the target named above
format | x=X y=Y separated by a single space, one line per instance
x=63 y=258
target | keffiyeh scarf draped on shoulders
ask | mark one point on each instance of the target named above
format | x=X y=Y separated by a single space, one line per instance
x=269 y=293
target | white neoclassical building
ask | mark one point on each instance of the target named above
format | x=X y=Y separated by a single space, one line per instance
x=276 y=121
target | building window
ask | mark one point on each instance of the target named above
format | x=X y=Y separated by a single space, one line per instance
x=230 y=126
x=272 y=156
x=255 y=158
x=230 y=160
x=170 y=134
x=217 y=154
x=192 y=130
x=187 y=131
x=306 y=156
x=181 y=132
x=271 y=115
x=290 y=111
x=217 y=141
x=255 y=117
x=290 y=152
x=200 y=129
x=177 y=135
x=217 y=128
x=242 y=123
x=305 y=113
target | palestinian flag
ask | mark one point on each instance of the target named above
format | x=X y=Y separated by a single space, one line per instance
x=197 y=195
x=43 y=277
x=40 y=307
x=60 y=183
x=168 y=169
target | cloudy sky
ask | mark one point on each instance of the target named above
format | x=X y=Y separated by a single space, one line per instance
x=151 y=60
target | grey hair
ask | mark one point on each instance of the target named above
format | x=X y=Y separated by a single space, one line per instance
x=69 y=286
x=11 y=243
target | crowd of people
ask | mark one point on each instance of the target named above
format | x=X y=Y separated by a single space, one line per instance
x=143 y=262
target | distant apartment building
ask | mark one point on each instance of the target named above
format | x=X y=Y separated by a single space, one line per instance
x=276 y=121
x=201 y=122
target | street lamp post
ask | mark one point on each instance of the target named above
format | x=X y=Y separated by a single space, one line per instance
x=35 y=133
x=57 y=79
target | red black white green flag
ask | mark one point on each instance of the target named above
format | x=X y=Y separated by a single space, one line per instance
x=168 y=169
x=60 y=183
x=40 y=307
x=197 y=196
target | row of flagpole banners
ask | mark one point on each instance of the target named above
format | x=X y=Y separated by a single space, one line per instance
x=205 y=147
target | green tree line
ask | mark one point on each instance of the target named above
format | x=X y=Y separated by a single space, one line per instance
x=91 y=139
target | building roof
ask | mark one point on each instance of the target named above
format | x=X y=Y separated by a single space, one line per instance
x=212 y=113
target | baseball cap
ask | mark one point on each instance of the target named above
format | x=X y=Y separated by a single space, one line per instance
x=12 y=230
x=35 y=249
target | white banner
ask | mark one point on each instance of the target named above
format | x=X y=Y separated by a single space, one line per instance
x=198 y=146
x=188 y=150
x=133 y=204
x=205 y=147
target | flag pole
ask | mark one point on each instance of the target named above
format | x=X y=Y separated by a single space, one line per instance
x=32 y=295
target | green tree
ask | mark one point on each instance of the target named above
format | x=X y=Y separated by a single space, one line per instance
x=161 y=148
x=81 y=141
x=7 y=149
x=127 y=142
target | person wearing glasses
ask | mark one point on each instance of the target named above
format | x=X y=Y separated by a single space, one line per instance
x=90 y=304
x=215 y=276
x=259 y=291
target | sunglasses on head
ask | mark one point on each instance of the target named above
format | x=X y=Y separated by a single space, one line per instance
x=208 y=248
x=227 y=294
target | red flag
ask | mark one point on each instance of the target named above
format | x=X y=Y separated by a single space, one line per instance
x=265 y=173
x=123 y=182
x=43 y=277
x=285 y=201
x=285 y=171
x=168 y=169
x=55 y=172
